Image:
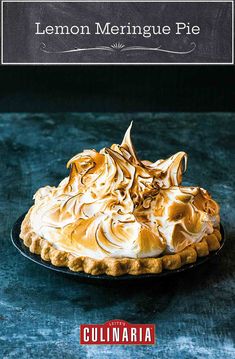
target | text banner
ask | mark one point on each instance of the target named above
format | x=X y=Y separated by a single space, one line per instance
x=117 y=32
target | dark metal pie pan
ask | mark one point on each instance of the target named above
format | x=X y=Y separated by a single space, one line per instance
x=19 y=244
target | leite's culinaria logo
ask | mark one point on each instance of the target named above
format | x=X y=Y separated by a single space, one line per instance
x=117 y=331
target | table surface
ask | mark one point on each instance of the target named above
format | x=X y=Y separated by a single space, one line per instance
x=41 y=311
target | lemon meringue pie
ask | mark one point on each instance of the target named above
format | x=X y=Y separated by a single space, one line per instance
x=117 y=214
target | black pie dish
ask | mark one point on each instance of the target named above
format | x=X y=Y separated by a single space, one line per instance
x=19 y=245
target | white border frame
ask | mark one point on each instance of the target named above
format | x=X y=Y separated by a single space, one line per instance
x=118 y=63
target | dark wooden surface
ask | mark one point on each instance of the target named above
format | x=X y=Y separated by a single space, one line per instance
x=40 y=311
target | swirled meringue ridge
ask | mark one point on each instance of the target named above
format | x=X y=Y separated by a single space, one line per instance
x=112 y=204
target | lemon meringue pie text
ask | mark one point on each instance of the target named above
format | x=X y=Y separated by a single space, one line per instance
x=117 y=214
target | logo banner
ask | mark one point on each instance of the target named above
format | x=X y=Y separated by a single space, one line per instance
x=117 y=332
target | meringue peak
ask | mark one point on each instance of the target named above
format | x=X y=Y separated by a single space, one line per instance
x=112 y=204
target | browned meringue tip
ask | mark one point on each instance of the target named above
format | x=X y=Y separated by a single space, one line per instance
x=113 y=204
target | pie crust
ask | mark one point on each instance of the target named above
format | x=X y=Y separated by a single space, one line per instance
x=117 y=266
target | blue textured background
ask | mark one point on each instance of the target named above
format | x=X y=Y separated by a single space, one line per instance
x=40 y=311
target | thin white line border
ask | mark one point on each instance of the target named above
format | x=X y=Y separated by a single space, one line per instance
x=117 y=63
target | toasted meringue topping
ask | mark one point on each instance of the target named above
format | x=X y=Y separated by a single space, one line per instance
x=112 y=204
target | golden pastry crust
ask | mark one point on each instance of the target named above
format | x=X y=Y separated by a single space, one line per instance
x=117 y=266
